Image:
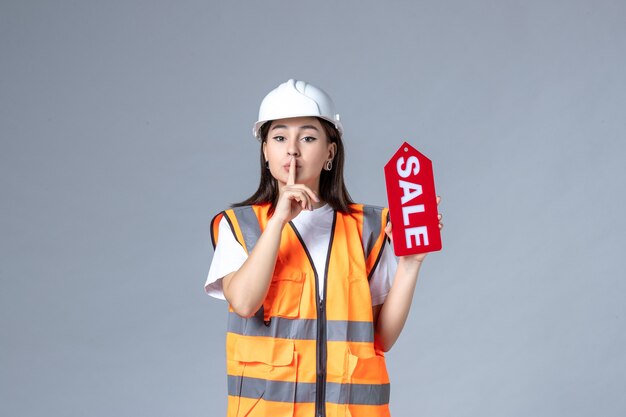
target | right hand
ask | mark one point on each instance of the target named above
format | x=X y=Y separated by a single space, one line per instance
x=293 y=198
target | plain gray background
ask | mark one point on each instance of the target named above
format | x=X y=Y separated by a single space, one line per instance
x=126 y=125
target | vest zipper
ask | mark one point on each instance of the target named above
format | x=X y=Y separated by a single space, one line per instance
x=320 y=380
x=320 y=403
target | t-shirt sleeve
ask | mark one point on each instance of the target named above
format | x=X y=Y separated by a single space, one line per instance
x=382 y=278
x=228 y=257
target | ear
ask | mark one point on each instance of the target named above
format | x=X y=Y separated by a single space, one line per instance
x=264 y=150
x=332 y=150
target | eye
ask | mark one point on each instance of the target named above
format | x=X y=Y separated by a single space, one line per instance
x=279 y=138
x=309 y=139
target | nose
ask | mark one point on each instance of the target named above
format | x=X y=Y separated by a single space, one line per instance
x=292 y=149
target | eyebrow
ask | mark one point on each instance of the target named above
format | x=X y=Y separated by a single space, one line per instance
x=301 y=127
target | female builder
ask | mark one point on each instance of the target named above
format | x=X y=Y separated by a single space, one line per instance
x=315 y=296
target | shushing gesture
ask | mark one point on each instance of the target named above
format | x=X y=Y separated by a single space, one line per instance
x=293 y=198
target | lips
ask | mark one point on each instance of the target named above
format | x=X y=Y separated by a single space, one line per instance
x=288 y=165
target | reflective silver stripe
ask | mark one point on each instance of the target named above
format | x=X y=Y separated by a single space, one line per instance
x=304 y=392
x=371 y=228
x=365 y=394
x=301 y=392
x=301 y=329
x=351 y=331
x=249 y=225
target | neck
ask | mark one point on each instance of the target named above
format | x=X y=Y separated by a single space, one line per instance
x=318 y=205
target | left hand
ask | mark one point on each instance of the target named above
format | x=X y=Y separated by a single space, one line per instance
x=420 y=256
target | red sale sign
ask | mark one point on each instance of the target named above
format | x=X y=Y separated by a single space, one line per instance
x=412 y=202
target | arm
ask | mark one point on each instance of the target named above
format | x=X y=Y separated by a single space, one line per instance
x=246 y=288
x=390 y=317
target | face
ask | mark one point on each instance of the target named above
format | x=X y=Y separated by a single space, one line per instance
x=304 y=139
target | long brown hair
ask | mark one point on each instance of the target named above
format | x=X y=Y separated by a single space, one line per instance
x=332 y=187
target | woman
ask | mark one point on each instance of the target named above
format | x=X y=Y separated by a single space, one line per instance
x=315 y=295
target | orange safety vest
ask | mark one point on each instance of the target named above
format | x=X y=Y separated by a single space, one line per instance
x=299 y=355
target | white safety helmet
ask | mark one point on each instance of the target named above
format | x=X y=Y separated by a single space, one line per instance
x=296 y=99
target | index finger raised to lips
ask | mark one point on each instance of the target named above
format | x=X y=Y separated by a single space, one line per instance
x=291 y=180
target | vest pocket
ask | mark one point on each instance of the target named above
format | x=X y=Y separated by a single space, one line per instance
x=268 y=372
x=284 y=296
x=371 y=370
x=368 y=381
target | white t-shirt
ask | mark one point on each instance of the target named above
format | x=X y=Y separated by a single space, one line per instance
x=314 y=227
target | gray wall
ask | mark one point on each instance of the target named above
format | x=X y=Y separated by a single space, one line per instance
x=125 y=125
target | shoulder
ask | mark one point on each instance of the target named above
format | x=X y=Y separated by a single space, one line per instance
x=368 y=210
x=369 y=219
x=364 y=206
x=233 y=212
x=217 y=224
x=244 y=223
x=225 y=219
